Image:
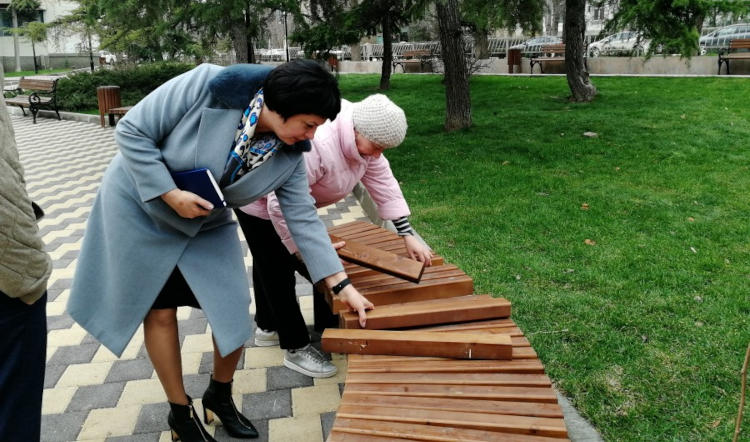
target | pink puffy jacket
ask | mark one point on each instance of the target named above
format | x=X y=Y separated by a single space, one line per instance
x=334 y=166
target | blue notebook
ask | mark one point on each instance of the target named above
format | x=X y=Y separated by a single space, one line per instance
x=202 y=183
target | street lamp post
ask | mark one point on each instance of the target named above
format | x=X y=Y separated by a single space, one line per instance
x=286 y=41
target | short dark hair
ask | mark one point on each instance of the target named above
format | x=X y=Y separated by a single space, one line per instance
x=302 y=87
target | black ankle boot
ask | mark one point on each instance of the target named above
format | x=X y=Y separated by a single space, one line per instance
x=185 y=424
x=218 y=400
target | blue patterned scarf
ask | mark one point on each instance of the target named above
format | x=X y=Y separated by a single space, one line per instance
x=249 y=151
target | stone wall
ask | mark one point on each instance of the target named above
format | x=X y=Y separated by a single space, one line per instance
x=657 y=65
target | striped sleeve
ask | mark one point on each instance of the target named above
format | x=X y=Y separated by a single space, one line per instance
x=403 y=227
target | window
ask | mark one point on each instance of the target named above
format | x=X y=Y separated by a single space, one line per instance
x=6 y=19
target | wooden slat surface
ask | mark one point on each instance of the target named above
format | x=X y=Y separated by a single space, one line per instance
x=346 y=429
x=454 y=404
x=543 y=394
x=437 y=398
x=417 y=343
x=500 y=379
x=538 y=426
x=433 y=311
x=381 y=260
x=448 y=366
x=407 y=292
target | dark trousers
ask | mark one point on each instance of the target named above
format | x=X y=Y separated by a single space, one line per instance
x=23 y=349
x=274 y=283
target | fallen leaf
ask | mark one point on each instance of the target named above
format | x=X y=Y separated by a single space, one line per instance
x=715 y=423
x=683 y=116
x=589 y=242
x=644 y=338
x=698 y=323
x=617 y=168
x=691 y=219
x=692 y=249
x=585 y=206
x=518 y=277
x=506 y=162
x=590 y=134
x=698 y=298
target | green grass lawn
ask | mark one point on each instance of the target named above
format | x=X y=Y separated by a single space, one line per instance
x=30 y=73
x=626 y=256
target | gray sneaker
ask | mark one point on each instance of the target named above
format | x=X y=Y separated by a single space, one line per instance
x=309 y=361
x=266 y=338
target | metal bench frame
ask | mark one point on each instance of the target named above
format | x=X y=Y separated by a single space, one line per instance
x=34 y=101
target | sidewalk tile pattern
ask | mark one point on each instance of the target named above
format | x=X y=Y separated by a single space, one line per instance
x=90 y=394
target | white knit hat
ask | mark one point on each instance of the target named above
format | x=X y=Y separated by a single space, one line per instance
x=379 y=120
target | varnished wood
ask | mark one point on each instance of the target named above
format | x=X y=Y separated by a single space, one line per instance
x=543 y=393
x=539 y=426
x=381 y=260
x=448 y=366
x=433 y=311
x=345 y=427
x=500 y=379
x=454 y=404
x=408 y=292
x=417 y=343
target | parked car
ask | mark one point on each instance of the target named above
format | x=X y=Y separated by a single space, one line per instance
x=534 y=45
x=721 y=37
x=624 y=42
x=107 y=57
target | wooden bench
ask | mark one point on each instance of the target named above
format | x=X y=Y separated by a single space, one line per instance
x=549 y=54
x=411 y=58
x=117 y=112
x=739 y=49
x=36 y=93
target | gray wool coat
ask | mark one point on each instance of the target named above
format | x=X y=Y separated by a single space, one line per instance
x=134 y=240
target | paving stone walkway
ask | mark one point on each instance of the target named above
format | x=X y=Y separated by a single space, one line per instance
x=92 y=395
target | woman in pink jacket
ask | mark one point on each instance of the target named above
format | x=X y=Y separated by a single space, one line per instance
x=344 y=152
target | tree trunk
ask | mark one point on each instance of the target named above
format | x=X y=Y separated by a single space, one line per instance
x=15 y=40
x=575 y=28
x=481 y=44
x=385 y=72
x=457 y=96
x=239 y=42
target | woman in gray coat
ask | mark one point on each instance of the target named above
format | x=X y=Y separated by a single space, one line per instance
x=150 y=247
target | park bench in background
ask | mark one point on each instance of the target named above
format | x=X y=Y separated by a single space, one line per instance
x=36 y=93
x=549 y=54
x=419 y=57
x=739 y=49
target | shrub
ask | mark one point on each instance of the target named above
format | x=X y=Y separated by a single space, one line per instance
x=78 y=92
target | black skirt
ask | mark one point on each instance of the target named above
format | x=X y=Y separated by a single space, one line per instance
x=175 y=293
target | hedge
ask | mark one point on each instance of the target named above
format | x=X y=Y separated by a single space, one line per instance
x=78 y=92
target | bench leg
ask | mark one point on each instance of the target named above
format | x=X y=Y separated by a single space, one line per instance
x=58 y=114
x=727 y=63
x=34 y=110
x=719 y=71
x=23 y=110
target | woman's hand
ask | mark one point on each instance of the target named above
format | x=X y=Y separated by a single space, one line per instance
x=351 y=297
x=187 y=204
x=356 y=302
x=418 y=251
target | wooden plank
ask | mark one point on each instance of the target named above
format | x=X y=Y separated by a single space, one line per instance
x=408 y=431
x=499 y=379
x=474 y=392
x=448 y=366
x=417 y=343
x=433 y=311
x=538 y=426
x=408 y=292
x=380 y=260
x=382 y=280
x=509 y=408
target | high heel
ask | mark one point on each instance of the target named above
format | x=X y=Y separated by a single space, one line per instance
x=185 y=424
x=217 y=400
